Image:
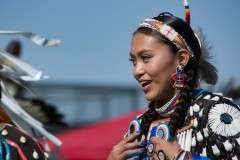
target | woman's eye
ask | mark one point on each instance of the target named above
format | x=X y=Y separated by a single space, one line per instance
x=145 y=58
x=132 y=60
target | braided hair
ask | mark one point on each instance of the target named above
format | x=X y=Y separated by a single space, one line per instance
x=191 y=70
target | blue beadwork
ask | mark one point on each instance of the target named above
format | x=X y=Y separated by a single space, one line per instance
x=226 y=118
x=160 y=133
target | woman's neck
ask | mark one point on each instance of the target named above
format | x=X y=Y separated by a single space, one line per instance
x=164 y=100
x=167 y=108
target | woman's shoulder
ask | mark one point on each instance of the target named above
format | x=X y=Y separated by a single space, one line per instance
x=216 y=122
x=207 y=104
x=22 y=145
x=221 y=114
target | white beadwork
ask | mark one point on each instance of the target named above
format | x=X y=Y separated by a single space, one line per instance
x=195 y=123
x=204 y=153
x=199 y=137
x=188 y=140
x=191 y=111
x=205 y=131
x=201 y=113
x=207 y=96
x=23 y=139
x=196 y=108
x=193 y=142
x=230 y=99
x=46 y=154
x=35 y=155
x=4 y=132
x=215 y=150
x=180 y=139
x=216 y=98
x=164 y=109
x=183 y=140
x=165 y=31
x=228 y=146
x=238 y=140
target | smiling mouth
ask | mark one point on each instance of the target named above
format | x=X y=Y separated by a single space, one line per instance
x=145 y=83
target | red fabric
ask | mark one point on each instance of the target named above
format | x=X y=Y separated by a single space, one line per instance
x=95 y=142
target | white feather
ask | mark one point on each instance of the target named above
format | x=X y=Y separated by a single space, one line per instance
x=21 y=69
x=34 y=38
x=23 y=120
x=220 y=127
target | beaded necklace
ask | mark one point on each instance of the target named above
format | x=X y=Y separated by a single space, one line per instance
x=168 y=108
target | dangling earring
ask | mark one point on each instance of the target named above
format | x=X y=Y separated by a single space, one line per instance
x=179 y=77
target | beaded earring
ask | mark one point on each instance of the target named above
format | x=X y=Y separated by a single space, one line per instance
x=179 y=77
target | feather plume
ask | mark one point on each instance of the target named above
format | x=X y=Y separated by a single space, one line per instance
x=23 y=120
x=34 y=38
x=19 y=71
x=207 y=71
x=23 y=69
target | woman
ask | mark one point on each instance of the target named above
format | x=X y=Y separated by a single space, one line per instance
x=182 y=122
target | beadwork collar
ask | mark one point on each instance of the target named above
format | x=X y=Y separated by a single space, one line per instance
x=168 y=108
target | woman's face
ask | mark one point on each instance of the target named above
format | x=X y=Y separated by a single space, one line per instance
x=153 y=66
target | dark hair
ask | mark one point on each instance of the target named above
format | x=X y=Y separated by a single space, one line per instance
x=191 y=70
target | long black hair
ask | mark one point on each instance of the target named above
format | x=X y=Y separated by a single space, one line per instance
x=191 y=70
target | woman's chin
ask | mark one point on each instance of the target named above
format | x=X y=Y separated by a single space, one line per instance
x=150 y=97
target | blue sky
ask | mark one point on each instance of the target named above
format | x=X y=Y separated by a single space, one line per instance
x=96 y=35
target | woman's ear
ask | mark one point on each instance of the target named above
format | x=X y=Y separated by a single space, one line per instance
x=183 y=56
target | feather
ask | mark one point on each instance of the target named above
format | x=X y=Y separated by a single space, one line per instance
x=18 y=71
x=207 y=71
x=23 y=120
x=24 y=70
x=35 y=38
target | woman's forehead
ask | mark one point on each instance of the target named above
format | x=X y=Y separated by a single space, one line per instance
x=142 y=42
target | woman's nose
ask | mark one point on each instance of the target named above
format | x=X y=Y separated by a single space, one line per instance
x=138 y=71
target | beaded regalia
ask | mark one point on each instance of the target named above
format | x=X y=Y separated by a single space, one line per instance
x=211 y=128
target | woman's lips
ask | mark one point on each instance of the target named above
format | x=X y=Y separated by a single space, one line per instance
x=146 y=87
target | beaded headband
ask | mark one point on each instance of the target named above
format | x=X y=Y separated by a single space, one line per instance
x=168 y=32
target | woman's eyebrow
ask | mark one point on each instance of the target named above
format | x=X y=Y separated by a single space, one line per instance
x=141 y=52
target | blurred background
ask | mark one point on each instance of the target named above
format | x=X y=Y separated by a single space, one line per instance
x=90 y=74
